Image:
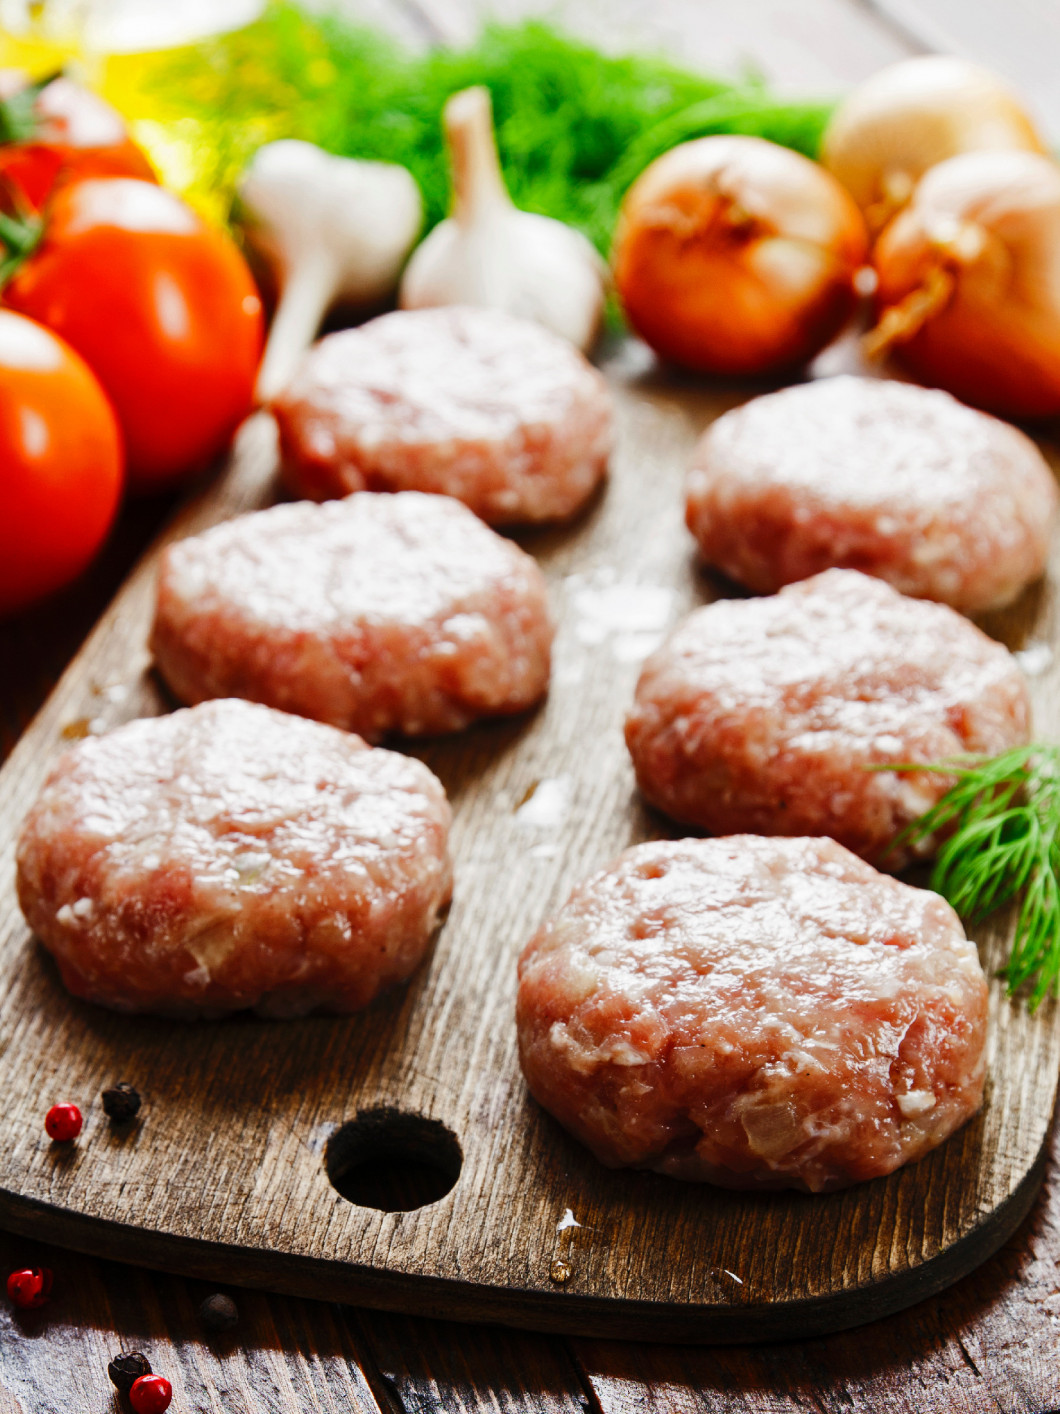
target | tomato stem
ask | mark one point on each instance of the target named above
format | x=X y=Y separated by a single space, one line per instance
x=18 y=112
x=19 y=235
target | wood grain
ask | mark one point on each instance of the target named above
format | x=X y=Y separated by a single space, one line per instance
x=225 y=1175
x=819 y=48
x=990 y=1343
x=440 y=1366
x=283 y=1358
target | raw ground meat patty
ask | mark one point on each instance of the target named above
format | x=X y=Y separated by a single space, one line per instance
x=754 y=1013
x=230 y=856
x=377 y=613
x=471 y=403
x=764 y=715
x=904 y=483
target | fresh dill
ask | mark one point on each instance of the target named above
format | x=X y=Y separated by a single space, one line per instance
x=999 y=827
x=574 y=126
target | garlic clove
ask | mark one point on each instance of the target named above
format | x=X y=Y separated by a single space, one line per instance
x=478 y=185
x=332 y=230
x=489 y=253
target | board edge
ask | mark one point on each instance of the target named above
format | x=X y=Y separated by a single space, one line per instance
x=563 y=1312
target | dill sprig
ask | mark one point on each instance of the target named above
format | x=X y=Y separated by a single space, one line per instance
x=574 y=126
x=1000 y=830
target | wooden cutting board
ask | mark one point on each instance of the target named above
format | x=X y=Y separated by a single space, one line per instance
x=249 y=1125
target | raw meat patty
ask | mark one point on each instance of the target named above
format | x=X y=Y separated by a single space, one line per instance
x=754 y=1013
x=231 y=856
x=766 y=715
x=472 y=403
x=378 y=613
x=900 y=482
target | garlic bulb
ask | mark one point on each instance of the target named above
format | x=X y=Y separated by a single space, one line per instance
x=490 y=253
x=333 y=230
x=911 y=115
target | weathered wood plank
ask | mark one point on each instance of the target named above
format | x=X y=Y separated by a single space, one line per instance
x=990 y=1343
x=438 y=1368
x=284 y=1357
x=819 y=48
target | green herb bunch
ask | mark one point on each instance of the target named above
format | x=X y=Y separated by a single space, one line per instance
x=574 y=126
x=1000 y=827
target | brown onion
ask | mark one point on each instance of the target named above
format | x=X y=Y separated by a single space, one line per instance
x=736 y=256
x=968 y=287
x=912 y=115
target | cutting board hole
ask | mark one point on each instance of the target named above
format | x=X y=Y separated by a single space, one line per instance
x=393 y=1161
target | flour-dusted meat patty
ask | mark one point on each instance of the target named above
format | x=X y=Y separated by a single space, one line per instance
x=230 y=856
x=473 y=403
x=768 y=715
x=377 y=613
x=901 y=482
x=754 y=1013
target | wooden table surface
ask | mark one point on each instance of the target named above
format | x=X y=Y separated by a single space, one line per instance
x=991 y=1343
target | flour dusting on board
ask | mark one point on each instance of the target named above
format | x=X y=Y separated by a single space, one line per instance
x=547 y=804
x=629 y=618
x=1035 y=660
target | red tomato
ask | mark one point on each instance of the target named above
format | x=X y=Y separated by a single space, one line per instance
x=60 y=462
x=69 y=131
x=161 y=307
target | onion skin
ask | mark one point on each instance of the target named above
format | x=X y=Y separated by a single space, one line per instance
x=911 y=116
x=968 y=291
x=736 y=256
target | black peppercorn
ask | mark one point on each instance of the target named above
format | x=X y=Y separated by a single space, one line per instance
x=121 y=1102
x=126 y=1368
x=219 y=1313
